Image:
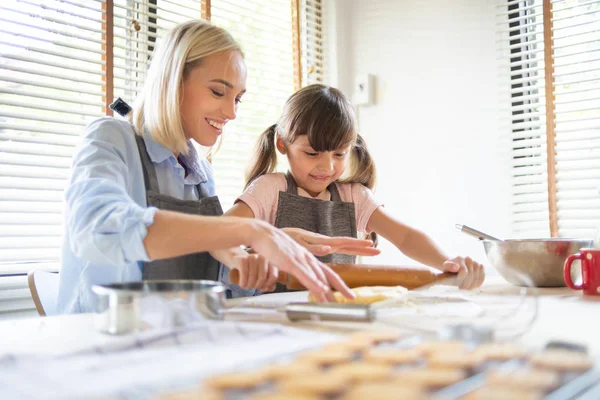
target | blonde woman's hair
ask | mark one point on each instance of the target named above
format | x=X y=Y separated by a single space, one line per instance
x=157 y=108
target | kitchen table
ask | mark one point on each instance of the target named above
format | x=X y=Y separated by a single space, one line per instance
x=563 y=315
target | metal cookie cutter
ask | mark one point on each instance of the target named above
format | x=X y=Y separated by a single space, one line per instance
x=133 y=306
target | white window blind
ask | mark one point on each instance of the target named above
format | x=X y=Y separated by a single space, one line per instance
x=264 y=30
x=53 y=81
x=576 y=34
x=521 y=48
x=574 y=84
x=138 y=26
x=313 y=41
x=51 y=86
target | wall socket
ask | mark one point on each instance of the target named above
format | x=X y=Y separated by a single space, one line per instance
x=364 y=90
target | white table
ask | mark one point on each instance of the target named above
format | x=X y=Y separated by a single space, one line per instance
x=563 y=315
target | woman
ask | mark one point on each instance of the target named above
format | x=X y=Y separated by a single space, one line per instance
x=142 y=205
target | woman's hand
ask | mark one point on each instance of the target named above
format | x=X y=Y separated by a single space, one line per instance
x=281 y=250
x=254 y=271
x=321 y=245
x=470 y=274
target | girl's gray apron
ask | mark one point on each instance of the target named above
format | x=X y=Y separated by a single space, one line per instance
x=191 y=266
x=330 y=218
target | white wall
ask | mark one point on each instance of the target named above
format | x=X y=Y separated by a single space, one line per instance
x=434 y=129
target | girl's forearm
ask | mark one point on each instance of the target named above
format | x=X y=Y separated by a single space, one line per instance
x=422 y=248
x=410 y=241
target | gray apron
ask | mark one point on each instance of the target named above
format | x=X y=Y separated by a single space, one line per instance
x=330 y=218
x=191 y=266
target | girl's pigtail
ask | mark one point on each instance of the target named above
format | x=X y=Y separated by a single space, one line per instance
x=364 y=167
x=363 y=172
x=265 y=159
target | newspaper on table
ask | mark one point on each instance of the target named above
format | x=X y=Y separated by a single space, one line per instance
x=142 y=365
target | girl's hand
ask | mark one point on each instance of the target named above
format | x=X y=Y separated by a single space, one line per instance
x=280 y=249
x=255 y=272
x=470 y=273
x=321 y=245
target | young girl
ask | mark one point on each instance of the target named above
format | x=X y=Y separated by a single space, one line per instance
x=328 y=188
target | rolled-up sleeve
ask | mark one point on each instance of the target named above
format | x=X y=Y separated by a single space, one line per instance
x=262 y=196
x=365 y=205
x=106 y=225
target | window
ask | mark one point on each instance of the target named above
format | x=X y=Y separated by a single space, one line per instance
x=264 y=30
x=268 y=35
x=62 y=62
x=41 y=115
x=313 y=41
x=550 y=60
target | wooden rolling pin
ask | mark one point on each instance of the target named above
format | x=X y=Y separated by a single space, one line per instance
x=357 y=275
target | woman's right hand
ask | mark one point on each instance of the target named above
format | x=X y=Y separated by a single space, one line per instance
x=281 y=250
x=254 y=271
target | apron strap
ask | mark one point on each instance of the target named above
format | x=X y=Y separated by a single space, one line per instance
x=150 y=179
x=333 y=190
x=202 y=192
x=292 y=188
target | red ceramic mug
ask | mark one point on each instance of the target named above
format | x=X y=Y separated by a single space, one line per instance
x=590 y=271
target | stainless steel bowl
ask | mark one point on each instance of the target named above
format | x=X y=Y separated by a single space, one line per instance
x=132 y=306
x=537 y=262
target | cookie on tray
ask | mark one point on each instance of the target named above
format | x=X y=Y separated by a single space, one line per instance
x=236 y=380
x=326 y=357
x=362 y=372
x=432 y=377
x=355 y=344
x=284 y=396
x=315 y=384
x=562 y=360
x=384 y=391
x=455 y=360
x=390 y=355
x=295 y=368
x=436 y=347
